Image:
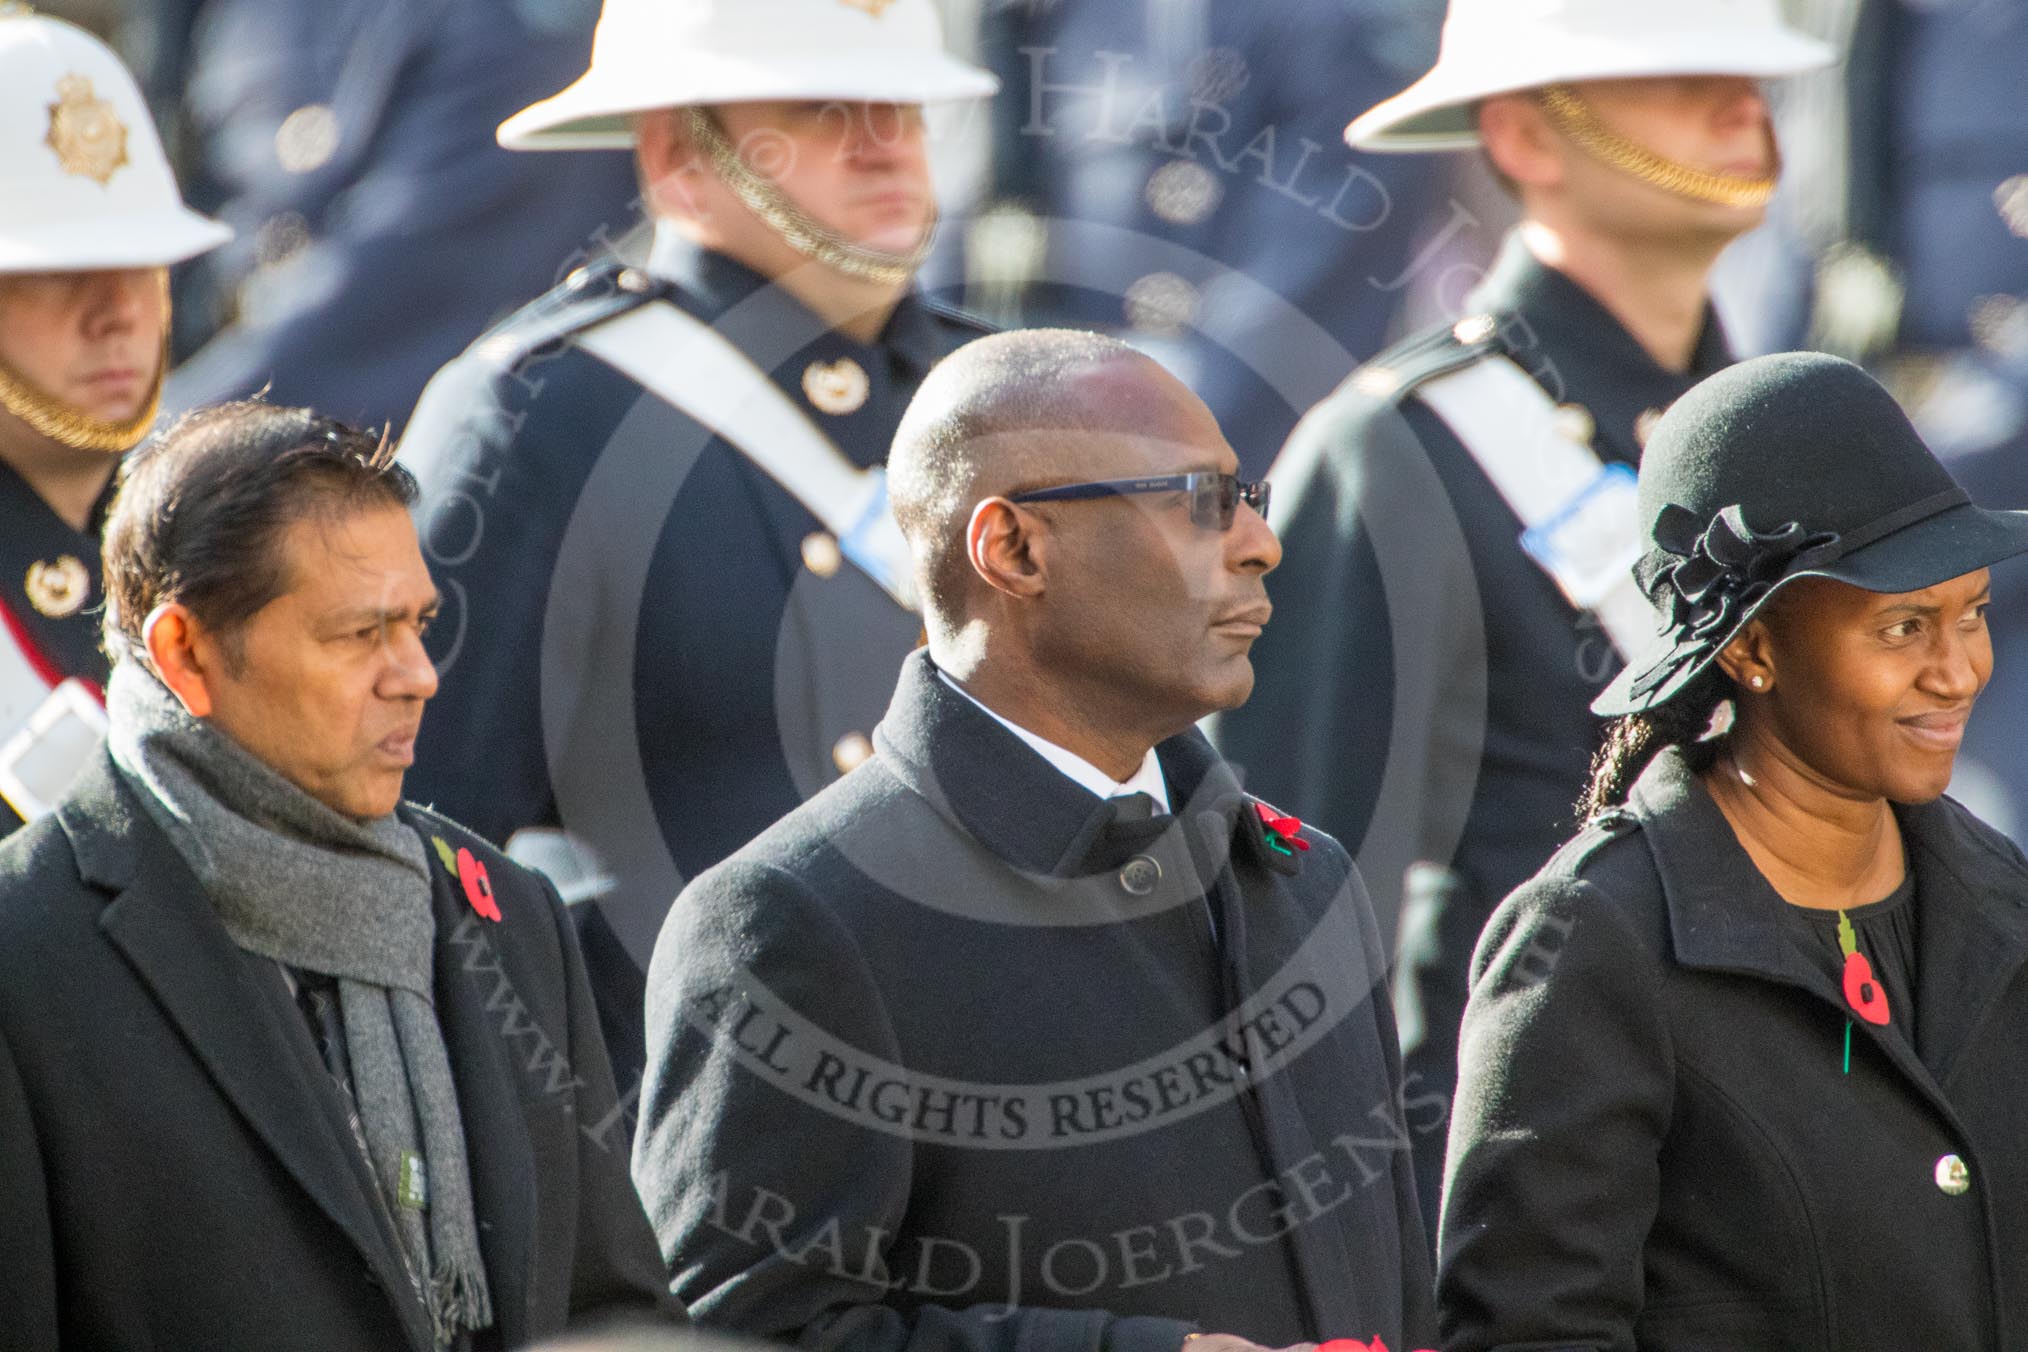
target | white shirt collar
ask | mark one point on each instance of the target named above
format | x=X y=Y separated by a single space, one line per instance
x=1080 y=771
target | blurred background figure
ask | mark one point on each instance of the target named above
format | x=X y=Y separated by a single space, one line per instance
x=676 y=600
x=1902 y=243
x=380 y=226
x=1459 y=524
x=90 y=222
x=1170 y=170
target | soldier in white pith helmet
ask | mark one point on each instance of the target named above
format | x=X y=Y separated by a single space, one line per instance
x=1460 y=531
x=675 y=601
x=90 y=222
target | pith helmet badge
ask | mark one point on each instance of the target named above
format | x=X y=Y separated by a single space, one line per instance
x=86 y=132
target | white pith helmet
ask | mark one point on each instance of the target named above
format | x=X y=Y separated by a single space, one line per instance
x=1505 y=46
x=84 y=184
x=651 y=54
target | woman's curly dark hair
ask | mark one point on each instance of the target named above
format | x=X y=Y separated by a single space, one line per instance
x=1632 y=742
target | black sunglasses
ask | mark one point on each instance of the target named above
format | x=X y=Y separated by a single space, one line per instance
x=1214 y=498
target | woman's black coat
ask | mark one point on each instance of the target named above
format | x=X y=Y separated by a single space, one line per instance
x=1656 y=1145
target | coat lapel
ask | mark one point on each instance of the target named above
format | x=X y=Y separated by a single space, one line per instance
x=236 y=1023
x=1723 y=915
x=476 y=1000
x=1972 y=932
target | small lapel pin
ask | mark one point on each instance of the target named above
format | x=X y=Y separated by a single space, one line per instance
x=412 y=1188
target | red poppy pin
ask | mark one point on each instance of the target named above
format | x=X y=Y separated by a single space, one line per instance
x=478 y=887
x=1863 y=990
x=1352 y=1345
x=1283 y=832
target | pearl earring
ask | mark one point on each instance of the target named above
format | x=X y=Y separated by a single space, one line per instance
x=1758 y=682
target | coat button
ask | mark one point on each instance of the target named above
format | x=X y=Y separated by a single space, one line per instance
x=1163 y=304
x=1183 y=192
x=853 y=750
x=1575 y=422
x=821 y=554
x=1953 y=1177
x=838 y=387
x=1140 y=875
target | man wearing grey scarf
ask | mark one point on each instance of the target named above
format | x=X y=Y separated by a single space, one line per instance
x=320 y=892
x=286 y=1061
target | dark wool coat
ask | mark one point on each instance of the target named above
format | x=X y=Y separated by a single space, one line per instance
x=1656 y=1144
x=942 y=1062
x=176 y=1166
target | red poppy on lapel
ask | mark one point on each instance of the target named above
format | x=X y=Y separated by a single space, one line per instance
x=478 y=886
x=1285 y=831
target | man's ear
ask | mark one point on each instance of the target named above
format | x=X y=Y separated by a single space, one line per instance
x=1007 y=547
x=666 y=163
x=173 y=640
x=1520 y=142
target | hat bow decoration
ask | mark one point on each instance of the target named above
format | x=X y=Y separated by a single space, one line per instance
x=1706 y=580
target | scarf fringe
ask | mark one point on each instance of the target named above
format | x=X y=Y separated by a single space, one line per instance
x=458 y=1300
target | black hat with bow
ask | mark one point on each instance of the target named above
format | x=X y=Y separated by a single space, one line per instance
x=1795 y=465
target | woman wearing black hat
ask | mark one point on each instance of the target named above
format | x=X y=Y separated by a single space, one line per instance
x=1745 y=1065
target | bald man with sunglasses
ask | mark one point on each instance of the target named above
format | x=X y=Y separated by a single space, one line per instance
x=1078 y=1046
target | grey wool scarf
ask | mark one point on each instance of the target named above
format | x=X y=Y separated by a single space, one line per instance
x=307 y=886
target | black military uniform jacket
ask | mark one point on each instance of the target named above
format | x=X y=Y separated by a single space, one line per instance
x=645 y=638
x=1656 y=1143
x=1424 y=692
x=943 y=1062
x=177 y=1168
x=46 y=610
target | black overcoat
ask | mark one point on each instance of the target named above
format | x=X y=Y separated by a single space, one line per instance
x=943 y=1061
x=1657 y=1145
x=176 y=1165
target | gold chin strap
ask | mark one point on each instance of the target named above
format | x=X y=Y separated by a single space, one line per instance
x=50 y=417
x=802 y=232
x=1572 y=116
